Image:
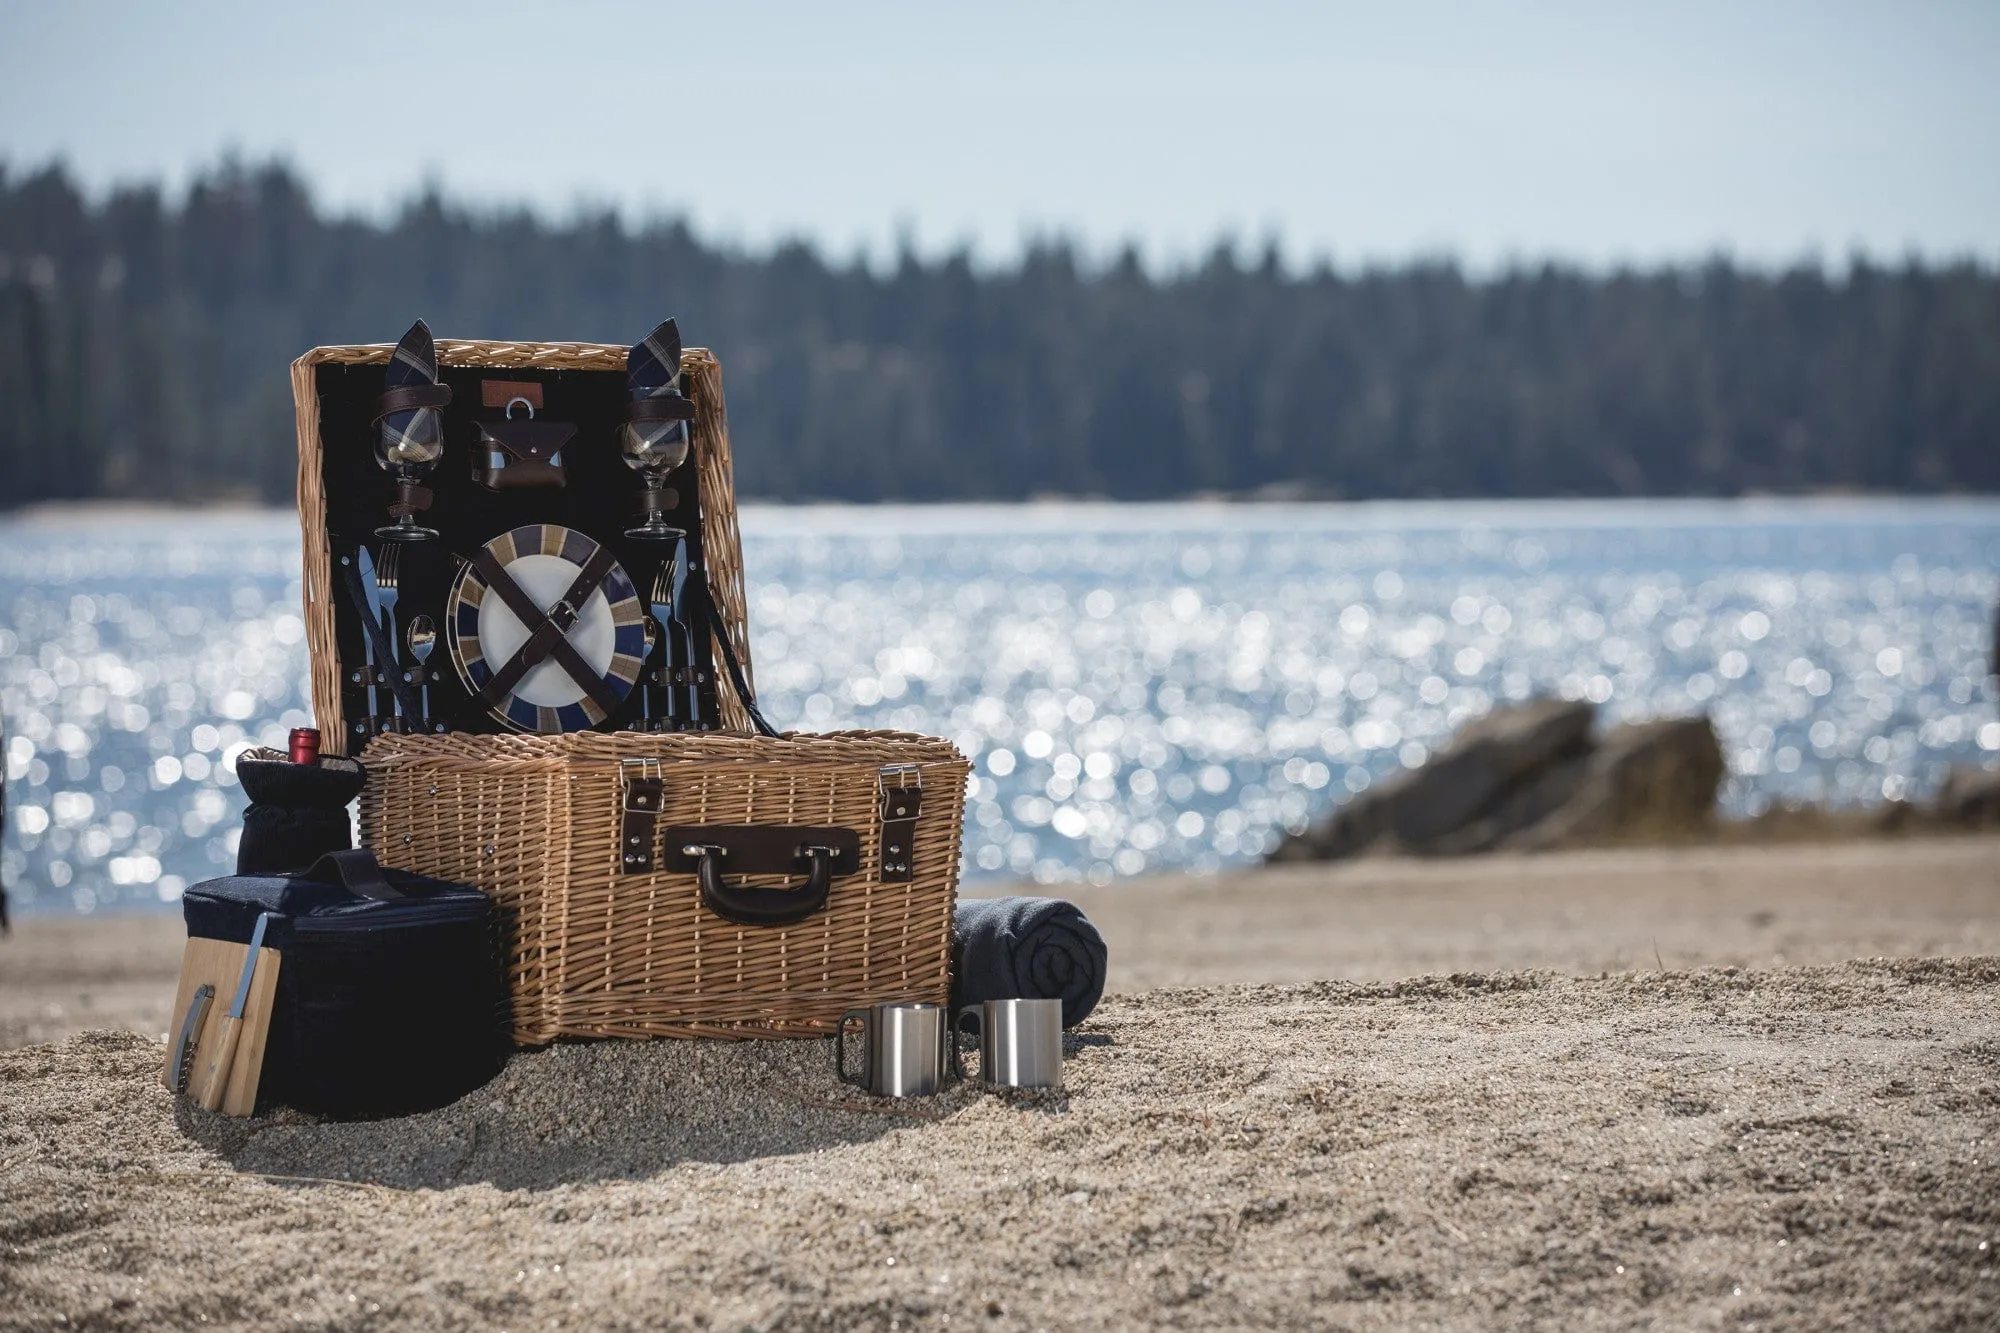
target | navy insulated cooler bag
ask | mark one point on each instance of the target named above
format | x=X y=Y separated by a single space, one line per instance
x=390 y=996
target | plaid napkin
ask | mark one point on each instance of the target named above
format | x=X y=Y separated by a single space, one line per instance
x=653 y=367
x=653 y=370
x=421 y=429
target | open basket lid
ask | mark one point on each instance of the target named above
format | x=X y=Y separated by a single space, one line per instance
x=343 y=493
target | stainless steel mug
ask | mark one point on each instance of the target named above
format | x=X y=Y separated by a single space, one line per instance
x=1020 y=1042
x=902 y=1049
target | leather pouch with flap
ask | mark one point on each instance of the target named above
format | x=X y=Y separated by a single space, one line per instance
x=519 y=453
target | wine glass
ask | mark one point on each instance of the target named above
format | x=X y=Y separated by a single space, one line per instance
x=408 y=446
x=653 y=447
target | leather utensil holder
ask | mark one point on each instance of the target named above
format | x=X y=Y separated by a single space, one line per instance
x=521 y=454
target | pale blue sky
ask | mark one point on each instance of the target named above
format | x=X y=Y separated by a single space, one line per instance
x=1599 y=132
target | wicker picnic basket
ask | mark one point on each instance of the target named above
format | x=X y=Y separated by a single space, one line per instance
x=695 y=883
x=600 y=948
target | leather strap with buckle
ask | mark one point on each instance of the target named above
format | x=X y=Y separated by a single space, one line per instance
x=901 y=805
x=642 y=795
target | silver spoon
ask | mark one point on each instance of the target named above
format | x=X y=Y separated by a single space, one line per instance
x=422 y=637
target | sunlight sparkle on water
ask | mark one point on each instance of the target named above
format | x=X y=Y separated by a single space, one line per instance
x=1141 y=688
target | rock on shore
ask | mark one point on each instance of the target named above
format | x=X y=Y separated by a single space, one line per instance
x=1532 y=776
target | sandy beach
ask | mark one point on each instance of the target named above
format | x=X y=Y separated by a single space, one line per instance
x=1381 y=920
x=1612 y=1089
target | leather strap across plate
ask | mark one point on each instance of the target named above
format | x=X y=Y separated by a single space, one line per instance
x=546 y=638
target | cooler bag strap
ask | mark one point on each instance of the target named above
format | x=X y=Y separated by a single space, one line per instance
x=357 y=871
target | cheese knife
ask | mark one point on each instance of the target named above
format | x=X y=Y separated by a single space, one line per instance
x=232 y=1022
x=369 y=589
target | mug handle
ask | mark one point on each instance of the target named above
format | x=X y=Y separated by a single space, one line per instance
x=978 y=1014
x=840 y=1048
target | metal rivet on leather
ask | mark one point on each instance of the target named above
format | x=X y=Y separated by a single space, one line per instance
x=901 y=807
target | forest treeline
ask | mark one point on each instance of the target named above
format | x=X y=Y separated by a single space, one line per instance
x=144 y=342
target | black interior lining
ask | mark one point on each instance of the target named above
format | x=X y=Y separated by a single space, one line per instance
x=600 y=500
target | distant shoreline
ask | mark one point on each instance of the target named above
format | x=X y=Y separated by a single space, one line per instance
x=1819 y=504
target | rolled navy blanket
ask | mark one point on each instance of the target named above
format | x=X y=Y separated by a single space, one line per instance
x=1026 y=949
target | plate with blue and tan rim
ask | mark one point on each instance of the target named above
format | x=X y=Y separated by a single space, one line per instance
x=483 y=633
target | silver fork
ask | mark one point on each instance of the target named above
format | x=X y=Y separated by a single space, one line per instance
x=388 y=574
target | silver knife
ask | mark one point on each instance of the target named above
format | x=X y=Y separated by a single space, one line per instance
x=366 y=564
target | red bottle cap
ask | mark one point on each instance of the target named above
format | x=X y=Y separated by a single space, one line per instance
x=305 y=745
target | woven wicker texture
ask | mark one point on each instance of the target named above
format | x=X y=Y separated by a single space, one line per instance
x=534 y=821
x=721 y=539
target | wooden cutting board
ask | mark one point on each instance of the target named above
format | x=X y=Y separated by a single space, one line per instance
x=219 y=963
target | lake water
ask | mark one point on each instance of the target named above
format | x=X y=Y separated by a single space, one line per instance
x=1142 y=687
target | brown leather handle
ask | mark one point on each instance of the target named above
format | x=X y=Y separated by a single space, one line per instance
x=750 y=906
x=710 y=851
